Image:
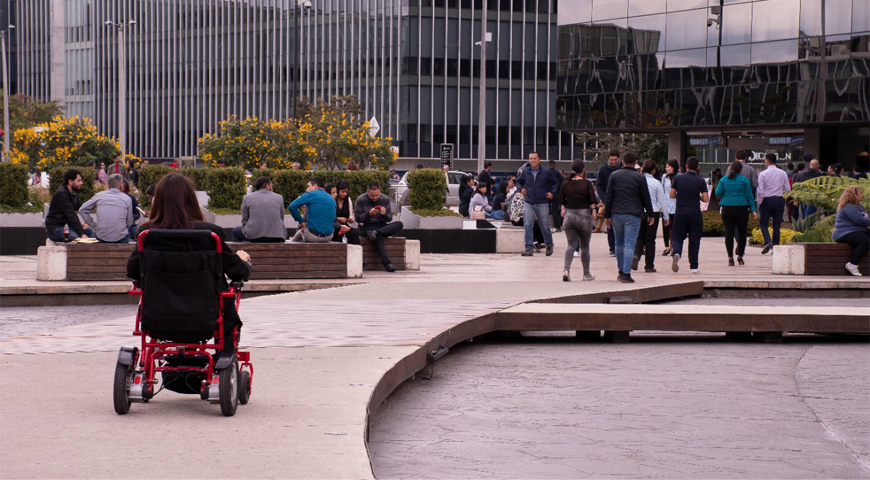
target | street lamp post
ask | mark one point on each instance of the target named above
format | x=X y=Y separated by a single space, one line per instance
x=7 y=134
x=122 y=81
x=481 y=119
x=297 y=10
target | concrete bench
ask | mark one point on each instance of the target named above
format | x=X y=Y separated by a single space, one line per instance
x=404 y=253
x=108 y=261
x=815 y=259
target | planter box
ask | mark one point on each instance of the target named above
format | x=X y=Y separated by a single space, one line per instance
x=21 y=219
x=412 y=221
x=232 y=221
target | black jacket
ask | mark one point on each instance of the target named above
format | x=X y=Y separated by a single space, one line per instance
x=465 y=194
x=627 y=194
x=602 y=179
x=62 y=211
x=485 y=177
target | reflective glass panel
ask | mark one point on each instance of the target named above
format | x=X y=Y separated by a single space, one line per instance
x=735 y=55
x=737 y=24
x=775 y=20
x=686 y=58
x=860 y=16
x=678 y=5
x=837 y=19
x=687 y=29
x=607 y=9
x=648 y=32
x=774 y=52
x=646 y=7
x=577 y=11
x=811 y=18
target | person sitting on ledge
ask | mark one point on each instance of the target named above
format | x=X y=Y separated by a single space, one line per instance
x=372 y=211
x=344 y=216
x=850 y=226
x=62 y=210
x=262 y=215
x=115 y=215
x=320 y=208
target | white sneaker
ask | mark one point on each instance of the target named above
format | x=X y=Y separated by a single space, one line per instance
x=853 y=269
x=566 y=276
x=588 y=277
x=576 y=254
x=695 y=270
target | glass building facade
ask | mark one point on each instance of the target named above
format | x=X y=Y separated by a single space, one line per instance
x=190 y=63
x=788 y=76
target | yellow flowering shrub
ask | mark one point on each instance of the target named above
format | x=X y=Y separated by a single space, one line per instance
x=62 y=141
x=785 y=235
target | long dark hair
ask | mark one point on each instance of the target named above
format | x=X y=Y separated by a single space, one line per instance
x=675 y=166
x=578 y=167
x=736 y=167
x=648 y=166
x=175 y=206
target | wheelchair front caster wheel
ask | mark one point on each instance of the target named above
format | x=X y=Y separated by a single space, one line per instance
x=121 y=394
x=244 y=387
x=228 y=389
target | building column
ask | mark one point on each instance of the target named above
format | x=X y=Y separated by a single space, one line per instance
x=57 y=51
x=812 y=143
x=677 y=146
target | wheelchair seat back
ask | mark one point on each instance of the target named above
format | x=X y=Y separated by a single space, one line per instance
x=181 y=280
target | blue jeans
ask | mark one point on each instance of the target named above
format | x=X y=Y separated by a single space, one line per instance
x=625 y=230
x=542 y=211
x=498 y=214
x=771 y=208
x=56 y=234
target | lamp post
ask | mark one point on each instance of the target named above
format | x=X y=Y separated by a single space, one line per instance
x=717 y=11
x=122 y=81
x=7 y=135
x=481 y=115
x=297 y=10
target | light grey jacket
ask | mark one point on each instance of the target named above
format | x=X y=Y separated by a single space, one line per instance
x=479 y=200
x=263 y=215
x=114 y=214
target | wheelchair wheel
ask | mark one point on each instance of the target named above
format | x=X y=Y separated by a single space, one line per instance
x=228 y=389
x=123 y=375
x=244 y=387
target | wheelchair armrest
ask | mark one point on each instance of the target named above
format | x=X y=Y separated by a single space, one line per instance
x=237 y=284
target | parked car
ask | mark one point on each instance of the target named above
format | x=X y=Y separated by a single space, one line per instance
x=454 y=177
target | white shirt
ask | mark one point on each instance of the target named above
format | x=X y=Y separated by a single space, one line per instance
x=772 y=182
x=657 y=195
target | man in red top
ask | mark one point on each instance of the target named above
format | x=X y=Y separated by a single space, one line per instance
x=117 y=167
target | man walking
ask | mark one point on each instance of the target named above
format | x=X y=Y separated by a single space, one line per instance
x=372 y=211
x=262 y=215
x=114 y=212
x=771 y=184
x=538 y=186
x=690 y=190
x=747 y=171
x=626 y=202
x=485 y=176
x=320 y=210
x=62 y=210
x=601 y=187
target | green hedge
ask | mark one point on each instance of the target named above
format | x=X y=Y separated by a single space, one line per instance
x=291 y=184
x=226 y=187
x=428 y=189
x=13 y=184
x=150 y=175
x=88 y=181
x=199 y=176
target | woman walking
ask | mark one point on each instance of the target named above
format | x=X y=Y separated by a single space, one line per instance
x=646 y=238
x=671 y=170
x=577 y=198
x=851 y=225
x=736 y=200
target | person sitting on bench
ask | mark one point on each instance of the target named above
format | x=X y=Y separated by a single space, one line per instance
x=372 y=211
x=320 y=210
x=62 y=211
x=262 y=215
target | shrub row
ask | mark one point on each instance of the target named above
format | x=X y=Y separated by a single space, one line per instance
x=291 y=184
x=13 y=184
x=225 y=186
x=428 y=189
x=89 y=176
x=785 y=235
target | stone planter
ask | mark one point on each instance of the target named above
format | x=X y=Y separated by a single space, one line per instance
x=235 y=220
x=412 y=221
x=21 y=219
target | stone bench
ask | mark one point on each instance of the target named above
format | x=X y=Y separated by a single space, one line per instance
x=404 y=253
x=815 y=259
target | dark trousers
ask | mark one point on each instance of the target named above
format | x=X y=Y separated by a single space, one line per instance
x=383 y=229
x=666 y=233
x=771 y=207
x=611 y=239
x=239 y=236
x=691 y=225
x=352 y=236
x=861 y=242
x=556 y=212
x=735 y=220
x=646 y=238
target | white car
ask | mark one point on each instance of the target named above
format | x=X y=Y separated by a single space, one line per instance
x=454 y=177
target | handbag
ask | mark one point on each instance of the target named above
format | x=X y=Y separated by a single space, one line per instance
x=478 y=214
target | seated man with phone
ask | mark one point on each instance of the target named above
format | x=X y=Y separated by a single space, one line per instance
x=372 y=211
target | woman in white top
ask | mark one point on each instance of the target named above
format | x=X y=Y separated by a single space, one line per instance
x=671 y=170
x=479 y=200
x=646 y=238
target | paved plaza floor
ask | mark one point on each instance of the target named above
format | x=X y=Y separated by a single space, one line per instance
x=319 y=355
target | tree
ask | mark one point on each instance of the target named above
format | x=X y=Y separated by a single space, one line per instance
x=646 y=145
x=25 y=112
x=251 y=142
x=63 y=141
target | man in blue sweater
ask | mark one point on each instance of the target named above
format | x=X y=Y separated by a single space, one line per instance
x=320 y=209
x=539 y=186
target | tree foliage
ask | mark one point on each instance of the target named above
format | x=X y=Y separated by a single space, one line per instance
x=72 y=141
x=646 y=145
x=824 y=192
x=26 y=112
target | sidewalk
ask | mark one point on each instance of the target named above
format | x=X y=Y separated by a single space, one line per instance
x=318 y=357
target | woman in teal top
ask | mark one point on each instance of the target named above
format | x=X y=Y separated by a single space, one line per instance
x=736 y=200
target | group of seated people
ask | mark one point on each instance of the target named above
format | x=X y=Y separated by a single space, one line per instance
x=478 y=197
x=327 y=218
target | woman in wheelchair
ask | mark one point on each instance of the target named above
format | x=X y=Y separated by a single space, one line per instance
x=181 y=276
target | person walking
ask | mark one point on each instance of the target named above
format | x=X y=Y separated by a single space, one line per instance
x=578 y=207
x=771 y=184
x=627 y=200
x=672 y=168
x=851 y=225
x=747 y=171
x=690 y=190
x=555 y=208
x=485 y=177
x=538 y=186
x=646 y=239
x=601 y=183
x=735 y=198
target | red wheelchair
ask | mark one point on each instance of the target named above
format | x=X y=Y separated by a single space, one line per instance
x=181 y=322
